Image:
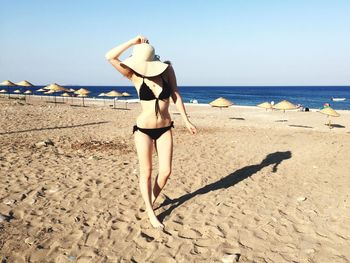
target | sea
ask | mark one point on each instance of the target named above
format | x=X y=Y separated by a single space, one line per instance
x=307 y=96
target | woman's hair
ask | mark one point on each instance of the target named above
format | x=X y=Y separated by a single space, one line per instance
x=167 y=62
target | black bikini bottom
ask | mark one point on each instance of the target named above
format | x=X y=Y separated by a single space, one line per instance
x=155 y=133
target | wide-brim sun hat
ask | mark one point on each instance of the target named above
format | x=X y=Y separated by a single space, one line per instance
x=144 y=61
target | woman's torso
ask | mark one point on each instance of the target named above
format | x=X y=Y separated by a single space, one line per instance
x=156 y=89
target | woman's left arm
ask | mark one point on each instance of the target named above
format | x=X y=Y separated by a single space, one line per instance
x=175 y=95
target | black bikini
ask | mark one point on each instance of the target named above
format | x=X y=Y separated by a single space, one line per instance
x=146 y=93
x=153 y=133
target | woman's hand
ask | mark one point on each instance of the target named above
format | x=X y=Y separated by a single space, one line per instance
x=192 y=129
x=139 y=39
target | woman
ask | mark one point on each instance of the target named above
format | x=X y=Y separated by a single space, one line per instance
x=155 y=83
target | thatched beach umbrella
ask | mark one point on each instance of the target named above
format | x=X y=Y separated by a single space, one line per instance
x=3 y=91
x=126 y=95
x=8 y=83
x=102 y=95
x=330 y=113
x=221 y=103
x=54 y=87
x=65 y=95
x=25 y=83
x=17 y=91
x=82 y=93
x=27 y=92
x=114 y=94
x=265 y=105
x=40 y=90
x=285 y=105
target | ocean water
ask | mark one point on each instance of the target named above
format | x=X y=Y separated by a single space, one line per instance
x=308 y=96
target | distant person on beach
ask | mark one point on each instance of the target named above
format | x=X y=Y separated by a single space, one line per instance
x=155 y=83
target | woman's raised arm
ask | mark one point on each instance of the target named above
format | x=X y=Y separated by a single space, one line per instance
x=113 y=55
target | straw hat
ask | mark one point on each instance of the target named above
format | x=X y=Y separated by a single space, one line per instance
x=144 y=61
x=330 y=112
x=221 y=102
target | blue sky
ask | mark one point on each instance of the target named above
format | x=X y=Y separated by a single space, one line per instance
x=226 y=42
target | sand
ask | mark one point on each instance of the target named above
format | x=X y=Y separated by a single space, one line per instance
x=248 y=187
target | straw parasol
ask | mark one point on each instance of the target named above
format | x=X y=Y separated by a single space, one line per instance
x=114 y=94
x=285 y=105
x=126 y=94
x=27 y=92
x=17 y=91
x=329 y=112
x=3 y=91
x=54 y=87
x=82 y=93
x=265 y=105
x=25 y=83
x=221 y=103
x=8 y=83
x=102 y=95
x=65 y=95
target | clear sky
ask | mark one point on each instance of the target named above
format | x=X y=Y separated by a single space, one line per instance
x=224 y=42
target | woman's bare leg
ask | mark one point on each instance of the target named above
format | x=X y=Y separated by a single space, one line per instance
x=164 y=147
x=144 y=147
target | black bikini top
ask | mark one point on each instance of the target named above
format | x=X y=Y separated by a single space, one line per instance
x=146 y=93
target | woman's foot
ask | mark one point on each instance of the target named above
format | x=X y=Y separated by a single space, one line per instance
x=154 y=220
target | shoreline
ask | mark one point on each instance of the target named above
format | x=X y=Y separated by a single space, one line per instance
x=103 y=102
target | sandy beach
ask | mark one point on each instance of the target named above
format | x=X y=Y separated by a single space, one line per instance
x=251 y=186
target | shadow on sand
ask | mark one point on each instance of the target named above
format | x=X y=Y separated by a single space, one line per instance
x=56 y=127
x=230 y=180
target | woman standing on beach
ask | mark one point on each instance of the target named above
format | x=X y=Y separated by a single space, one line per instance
x=155 y=83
